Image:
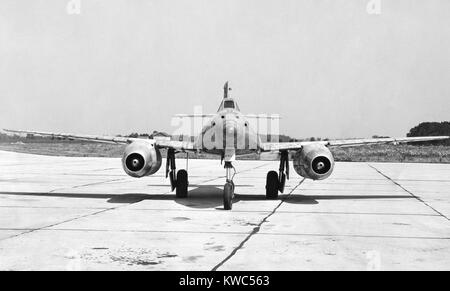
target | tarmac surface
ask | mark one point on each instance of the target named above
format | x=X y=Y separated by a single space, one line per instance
x=61 y=213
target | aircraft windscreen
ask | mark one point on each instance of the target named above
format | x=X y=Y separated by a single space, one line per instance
x=228 y=104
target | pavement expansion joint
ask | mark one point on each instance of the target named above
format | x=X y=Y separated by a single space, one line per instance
x=409 y=192
x=257 y=228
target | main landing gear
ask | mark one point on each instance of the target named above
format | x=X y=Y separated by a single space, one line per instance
x=178 y=180
x=275 y=182
x=228 y=189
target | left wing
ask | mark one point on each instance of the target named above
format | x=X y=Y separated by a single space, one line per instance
x=177 y=145
x=347 y=142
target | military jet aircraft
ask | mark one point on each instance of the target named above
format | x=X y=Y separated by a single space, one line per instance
x=228 y=133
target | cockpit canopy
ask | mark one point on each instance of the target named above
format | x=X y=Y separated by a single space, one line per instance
x=228 y=103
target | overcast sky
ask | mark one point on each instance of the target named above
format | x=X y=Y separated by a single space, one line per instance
x=328 y=68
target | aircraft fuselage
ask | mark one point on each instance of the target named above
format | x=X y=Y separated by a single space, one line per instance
x=227 y=133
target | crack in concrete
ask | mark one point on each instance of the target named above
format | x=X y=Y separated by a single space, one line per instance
x=256 y=229
x=409 y=192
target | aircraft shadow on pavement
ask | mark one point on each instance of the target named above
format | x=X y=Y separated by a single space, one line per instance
x=204 y=196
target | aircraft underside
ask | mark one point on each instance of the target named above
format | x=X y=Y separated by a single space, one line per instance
x=275 y=181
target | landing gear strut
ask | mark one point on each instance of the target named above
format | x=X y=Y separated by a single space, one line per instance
x=228 y=189
x=284 y=170
x=275 y=182
x=178 y=180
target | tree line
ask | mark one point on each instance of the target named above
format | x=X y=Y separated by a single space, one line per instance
x=431 y=129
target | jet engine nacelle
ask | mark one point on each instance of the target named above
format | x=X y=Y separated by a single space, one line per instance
x=141 y=159
x=314 y=161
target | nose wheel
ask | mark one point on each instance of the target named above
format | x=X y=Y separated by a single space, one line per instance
x=228 y=189
x=228 y=194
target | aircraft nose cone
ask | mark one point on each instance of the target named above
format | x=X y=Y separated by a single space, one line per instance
x=230 y=129
x=230 y=132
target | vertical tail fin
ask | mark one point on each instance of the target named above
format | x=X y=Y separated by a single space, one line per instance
x=226 y=88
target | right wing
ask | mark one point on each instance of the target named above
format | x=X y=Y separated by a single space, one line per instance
x=70 y=136
x=177 y=145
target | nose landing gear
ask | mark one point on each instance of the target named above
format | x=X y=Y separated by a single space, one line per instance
x=228 y=189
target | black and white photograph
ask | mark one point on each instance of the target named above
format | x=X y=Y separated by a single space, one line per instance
x=241 y=136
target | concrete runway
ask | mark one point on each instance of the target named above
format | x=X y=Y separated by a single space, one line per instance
x=60 y=213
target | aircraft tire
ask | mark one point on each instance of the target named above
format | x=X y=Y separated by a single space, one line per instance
x=228 y=193
x=272 y=185
x=182 y=184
